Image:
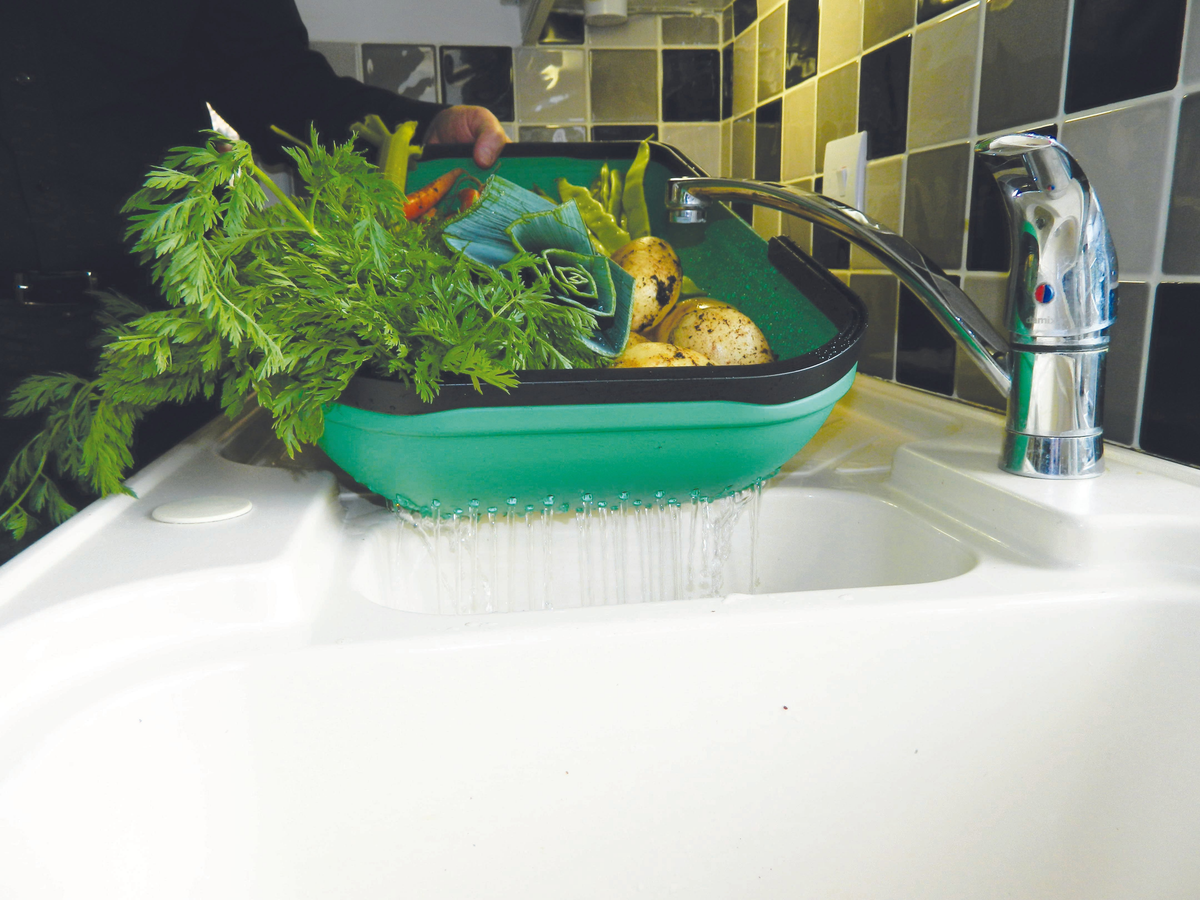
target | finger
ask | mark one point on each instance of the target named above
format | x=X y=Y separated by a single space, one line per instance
x=488 y=146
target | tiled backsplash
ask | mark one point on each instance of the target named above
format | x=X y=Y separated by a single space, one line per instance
x=760 y=90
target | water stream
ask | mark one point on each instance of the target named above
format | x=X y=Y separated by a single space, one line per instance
x=508 y=559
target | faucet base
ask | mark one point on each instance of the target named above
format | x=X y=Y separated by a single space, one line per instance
x=1037 y=456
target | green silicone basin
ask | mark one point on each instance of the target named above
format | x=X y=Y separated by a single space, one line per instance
x=532 y=456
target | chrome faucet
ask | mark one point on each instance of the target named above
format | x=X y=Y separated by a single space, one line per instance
x=1062 y=290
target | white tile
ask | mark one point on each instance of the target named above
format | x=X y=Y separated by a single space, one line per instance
x=799 y=140
x=840 y=37
x=638 y=31
x=700 y=143
x=941 y=104
x=550 y=85
x=745 y=66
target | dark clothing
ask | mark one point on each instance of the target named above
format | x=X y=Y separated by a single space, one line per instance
x=92 y=95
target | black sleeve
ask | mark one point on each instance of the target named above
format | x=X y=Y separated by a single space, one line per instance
x=263 y=73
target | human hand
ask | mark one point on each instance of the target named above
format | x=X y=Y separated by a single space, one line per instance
x=469 y=125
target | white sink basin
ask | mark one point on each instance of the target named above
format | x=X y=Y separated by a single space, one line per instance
x=948 y=682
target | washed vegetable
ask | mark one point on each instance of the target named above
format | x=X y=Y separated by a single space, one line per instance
x=724 y=335
x=395 y=147
x=281 y=305
x=599 y=220
x=650 y=354
x=418 y=203
x=633 y=198
x=657 y=278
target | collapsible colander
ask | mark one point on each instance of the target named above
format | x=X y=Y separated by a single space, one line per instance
x=617 y=435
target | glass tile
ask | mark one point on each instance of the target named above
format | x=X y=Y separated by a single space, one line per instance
x=691 y=89
x=549 y=134
x=796 y=229
x=990 y=294
x=1121 y=49
x=624 y=132
x=883 y=98
x=1171 y=406
x=638 y=31
x=767 y=222
x=935 y=202
x=727 y=33
x=798 y=153
x=479 y=76
x=1181 y=255
x=943 y=65
x=803 y=31
x=1191 y=61
x=768 y=125
x=884 y=19
x=1128 y=173
x=929 y=9
x=829 y=249
x=618 y=96
x=562 y=28
x=727 y=81
x=1022 y=63
x=342 y=57
x=987 y=238
x=727 y=149
x=841 y=33
x=744 y=14
x=837 y=108
x=925 y=351
x=771 y=34
x=1123 y=375
x=408 y=69
x=745 y=78
x=550 y=85
x=882 y=204
x=699 y=143
x=677 y=30
x=877 y=353
x=742 y=163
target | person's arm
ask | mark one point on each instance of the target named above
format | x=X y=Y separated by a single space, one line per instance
x=260 y=72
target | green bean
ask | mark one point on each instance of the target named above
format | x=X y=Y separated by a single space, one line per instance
x=597 y=219
x=633 y=198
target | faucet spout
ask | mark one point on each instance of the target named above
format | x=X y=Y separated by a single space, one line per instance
x=687 y=199
x=1061 y=293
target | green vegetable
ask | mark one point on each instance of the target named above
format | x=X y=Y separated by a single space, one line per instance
x=281 y=304
x=616 y=185
x=395 y=147
x=599 y=221
x=633 y=197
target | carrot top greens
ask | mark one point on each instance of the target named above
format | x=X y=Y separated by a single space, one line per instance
x=281 y=303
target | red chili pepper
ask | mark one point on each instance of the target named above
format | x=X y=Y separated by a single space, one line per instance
x=421 y=201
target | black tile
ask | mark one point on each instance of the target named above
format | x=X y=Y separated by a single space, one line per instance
x=1180 y=256
x=829 y=249
x=1171 y=407
x=768 y=128
x=562 y=28
x=691 y=85
x=1022 y=63
x=988 y=235
x=803 y=26
x=727 y=81
x=883 y=98
x=877 y=354
x=927 y=9
x=744 y=14
x=924 y=349
x=935 y=202
x=624 y=132
x=1122 y=49
x=479 y=76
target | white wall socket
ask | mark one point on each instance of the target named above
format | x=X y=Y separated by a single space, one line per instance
x=845 y=175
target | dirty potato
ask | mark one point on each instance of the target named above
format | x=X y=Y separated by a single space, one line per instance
x=724 y=335
x=657 y=278
x=650 y=354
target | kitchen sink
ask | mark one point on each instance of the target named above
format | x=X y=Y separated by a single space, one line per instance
x=920 y=677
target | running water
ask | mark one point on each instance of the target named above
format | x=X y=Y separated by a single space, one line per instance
x=504 y=559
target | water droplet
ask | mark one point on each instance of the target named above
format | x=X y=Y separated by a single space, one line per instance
x=491 y=510
x=511 y=501
x=474 y=504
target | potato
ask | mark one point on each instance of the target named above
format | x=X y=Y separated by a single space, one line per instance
x=724 y=335
x=635 y=338
x=664 y=326
x=653 y=354
x=657 y=278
